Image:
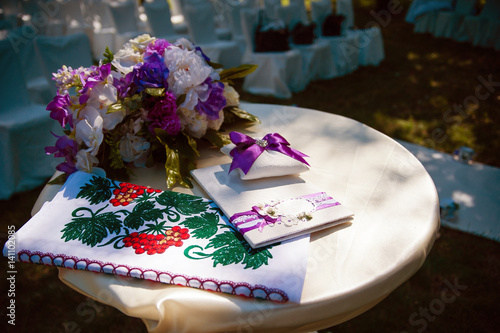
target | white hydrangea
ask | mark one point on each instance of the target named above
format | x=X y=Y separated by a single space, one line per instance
x=86 y=162
x=134 y=149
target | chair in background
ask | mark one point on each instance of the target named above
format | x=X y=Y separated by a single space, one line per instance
x=233 y=9
x=423 y=14
x=22 y=41
x=201 y=24
x=159 y=19
x=24 y=131
x=102 y=24
x=344 y=7
x=317 y=58
x=278 y=74
x=56 y=51
x=483 y=29
x=345 y=48
x=74 y=13
x=125 y=21
x=448 y=23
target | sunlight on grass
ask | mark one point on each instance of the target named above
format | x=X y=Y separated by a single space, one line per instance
x=412 y=56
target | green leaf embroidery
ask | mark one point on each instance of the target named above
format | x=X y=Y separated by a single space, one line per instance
x=185 y=204
x=143 y=212
x=93 y=229
x=97 y=191
x=231 y=248
x=204 y=226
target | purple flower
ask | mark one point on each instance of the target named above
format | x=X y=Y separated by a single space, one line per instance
x=98 y=75
x=215 y=101
x=59 y=109
x=67 y=148
x=158 y=46
x=153 y=73
x=122 y=85
x=164 y=115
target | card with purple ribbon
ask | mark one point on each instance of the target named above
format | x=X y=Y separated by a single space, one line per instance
x=269 y=210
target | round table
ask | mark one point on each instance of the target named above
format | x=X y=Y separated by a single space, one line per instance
x=350 y=269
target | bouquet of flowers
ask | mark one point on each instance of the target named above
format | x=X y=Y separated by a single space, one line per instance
x=147 y=103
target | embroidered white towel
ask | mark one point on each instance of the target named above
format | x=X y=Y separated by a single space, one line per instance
x=100 y=225
x=270 y=164
x=271 y=209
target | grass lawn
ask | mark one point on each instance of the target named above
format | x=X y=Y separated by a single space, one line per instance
x=423 y=92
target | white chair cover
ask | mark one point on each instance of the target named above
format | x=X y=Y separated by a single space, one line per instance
x=278 y=73
x=24 y=131
x=371 y=46
x=317 y=59
x=233 y=9
x=159 y=19
x=103 y=29
x=201 y=26
x=39 y=88
x=73 y=12
x=424 y=13
x=56 y=51
x=483 y=29
x=301 y=8
x=125 y=22
x=271 y=7
x=345 y=49
x=448 y=23
x=319 y=11
x=344 y=7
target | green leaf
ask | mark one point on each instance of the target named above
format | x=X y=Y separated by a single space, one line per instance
x=108 y=56
x=232 y=248
x=234 y=111
x=172 y=167
x=143 y=212
x=229 y=249
x=184 y=203
x=93 y=229
x=237 y=72
x=59 y=180
x=205 y=225
x=180 y=99
x=155 y=92
x=215 y=65
x=217 y=138
x=97 y=191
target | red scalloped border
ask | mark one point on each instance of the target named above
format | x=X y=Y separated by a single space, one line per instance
x=252 y=291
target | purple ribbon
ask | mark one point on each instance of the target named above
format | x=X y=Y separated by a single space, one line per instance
x=253 y=215
x=247 y=150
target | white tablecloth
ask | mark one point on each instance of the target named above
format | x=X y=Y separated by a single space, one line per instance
x=350 y=269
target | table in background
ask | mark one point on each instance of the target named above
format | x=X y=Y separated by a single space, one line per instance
x=350 y=269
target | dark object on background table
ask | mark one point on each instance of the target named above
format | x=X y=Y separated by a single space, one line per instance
x=271 y=35
x=303 y=34
x=332 y=25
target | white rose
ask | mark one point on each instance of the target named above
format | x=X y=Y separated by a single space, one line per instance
x=141 y=42
x=231 y=95
x=126 y=58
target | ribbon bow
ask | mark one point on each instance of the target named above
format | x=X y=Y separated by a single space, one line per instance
x=247 y=150
x=252 y=219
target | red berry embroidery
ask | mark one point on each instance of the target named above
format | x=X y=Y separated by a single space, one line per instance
x=128 y=192
x=153 y=244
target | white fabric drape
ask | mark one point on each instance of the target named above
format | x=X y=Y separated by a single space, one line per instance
x=349 y=270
